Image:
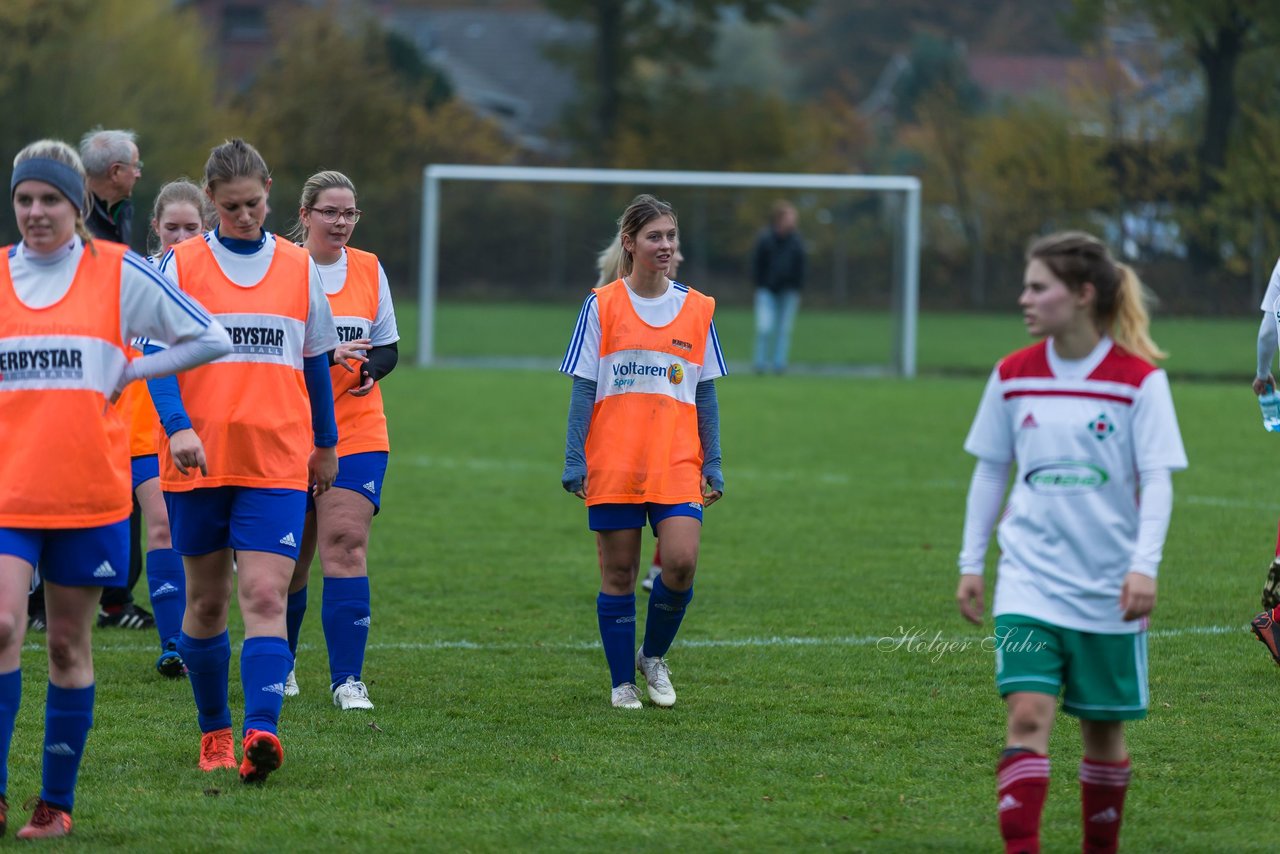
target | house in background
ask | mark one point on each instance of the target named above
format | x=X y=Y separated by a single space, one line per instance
x=494 y=54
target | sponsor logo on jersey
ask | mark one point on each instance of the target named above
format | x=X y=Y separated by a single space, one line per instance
x=638 y=369
x=350 y=333
x=1029 y=422
x=1101 y=427
x=257 y=340
x=675 y=373
x=1067 y=477
x=683 y=345
x=56 y=363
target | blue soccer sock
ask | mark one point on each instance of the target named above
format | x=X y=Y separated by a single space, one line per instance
x=295 y=609
x=208 y=663
x=10 y=700
x=617 y=616
x=666 y=610
x=168 y=585
x=345 y=616
x=68 y=716
x=264 y=664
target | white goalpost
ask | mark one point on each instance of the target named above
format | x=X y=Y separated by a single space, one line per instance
x=908 y=248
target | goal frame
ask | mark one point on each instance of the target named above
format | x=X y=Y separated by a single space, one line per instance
x=904 y=358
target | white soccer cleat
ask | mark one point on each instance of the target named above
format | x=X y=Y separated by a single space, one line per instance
x=654 y=572
x=291 y=685
x=627 y=696
x=351 y=695
x=657 y=677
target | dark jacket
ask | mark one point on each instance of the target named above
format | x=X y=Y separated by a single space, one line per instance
x=114 y=224
x=778 y=263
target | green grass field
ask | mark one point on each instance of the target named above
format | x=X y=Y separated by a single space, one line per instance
x=1216 y=348
x=795 y=729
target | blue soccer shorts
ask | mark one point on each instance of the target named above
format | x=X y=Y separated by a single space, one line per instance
x=243 y=518
x=620 y=517
x=73 y=557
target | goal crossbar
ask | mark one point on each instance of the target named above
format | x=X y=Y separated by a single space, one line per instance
x=909 y=186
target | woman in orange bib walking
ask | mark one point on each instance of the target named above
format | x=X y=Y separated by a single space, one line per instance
x=338 y=521
x=68 y=306
x=246 y=438
x=643 y=441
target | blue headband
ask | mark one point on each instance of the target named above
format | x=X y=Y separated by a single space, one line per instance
x=52 y=172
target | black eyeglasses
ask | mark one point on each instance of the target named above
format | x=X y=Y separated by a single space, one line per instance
x=331 y=215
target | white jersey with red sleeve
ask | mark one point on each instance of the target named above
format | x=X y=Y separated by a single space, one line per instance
x=1079 y=433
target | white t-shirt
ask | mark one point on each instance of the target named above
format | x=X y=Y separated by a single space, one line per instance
x=150 y=307
x=1273 y=291
x=384 y=331
x=320 y=334
x=582 y=359
x=1079 y=433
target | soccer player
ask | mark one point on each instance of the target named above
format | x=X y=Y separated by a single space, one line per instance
x=338 y=522
x=68 y=304
x=234 y=463
x=1088 y=419
x=1263 y=379
x=609 y=267
x=180 y=211
x=644 y=441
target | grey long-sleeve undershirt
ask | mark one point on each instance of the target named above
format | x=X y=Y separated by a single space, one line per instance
x=581 y=403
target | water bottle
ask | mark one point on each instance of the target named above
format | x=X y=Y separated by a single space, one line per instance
x=1269 y=403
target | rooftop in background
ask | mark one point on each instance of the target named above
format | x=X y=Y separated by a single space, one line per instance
x=1015 y=76
x=496 y=61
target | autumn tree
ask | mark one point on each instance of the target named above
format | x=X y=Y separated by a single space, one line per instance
x=68 y=65
x=331 y=97
x=631 y=33
x=1217 y=36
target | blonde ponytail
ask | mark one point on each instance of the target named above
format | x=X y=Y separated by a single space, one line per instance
x=609 y=263
x=1131 y=328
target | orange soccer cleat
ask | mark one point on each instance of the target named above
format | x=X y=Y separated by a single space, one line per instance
x=262 y=755
x=217 y=750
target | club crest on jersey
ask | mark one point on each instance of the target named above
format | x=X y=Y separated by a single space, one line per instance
x=675 y=373
x=1101 y=427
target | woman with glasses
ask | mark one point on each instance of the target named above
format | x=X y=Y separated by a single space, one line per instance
x=338 y=521
x=246 y=438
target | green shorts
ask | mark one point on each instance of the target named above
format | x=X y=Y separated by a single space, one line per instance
x=1101 y=677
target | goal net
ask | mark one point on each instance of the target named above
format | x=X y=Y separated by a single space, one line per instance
x=508 y=255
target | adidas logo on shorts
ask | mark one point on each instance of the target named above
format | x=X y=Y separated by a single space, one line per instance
x=288 y=540
x=371 y=487
x=363 y=621
x=104 y=570
x=60 y=749
x=277 y=688
x=163 y=590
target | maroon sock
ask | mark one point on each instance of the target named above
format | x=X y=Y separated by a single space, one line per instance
x=1102 y=788
x=1022 y=782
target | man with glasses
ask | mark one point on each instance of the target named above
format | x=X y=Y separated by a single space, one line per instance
x=112 y=163
x=113 y=167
